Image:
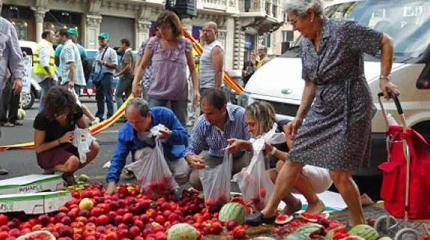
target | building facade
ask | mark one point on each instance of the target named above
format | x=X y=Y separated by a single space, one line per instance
x=241 y=22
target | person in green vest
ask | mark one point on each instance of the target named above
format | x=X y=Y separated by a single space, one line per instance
x=44 y=64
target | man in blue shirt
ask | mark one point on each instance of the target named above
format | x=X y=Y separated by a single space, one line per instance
x=218 y=123
x=135 y=136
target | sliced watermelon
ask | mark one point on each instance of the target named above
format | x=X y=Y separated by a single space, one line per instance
x=282 y=219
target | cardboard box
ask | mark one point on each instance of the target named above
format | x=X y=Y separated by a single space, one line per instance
x=32 y=184
x=34 y=203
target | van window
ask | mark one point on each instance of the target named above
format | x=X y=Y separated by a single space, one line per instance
x=407 y=22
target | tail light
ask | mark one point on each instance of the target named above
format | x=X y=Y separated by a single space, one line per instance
x=424 y=78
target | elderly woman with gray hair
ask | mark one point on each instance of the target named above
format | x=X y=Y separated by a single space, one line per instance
x=336 y=102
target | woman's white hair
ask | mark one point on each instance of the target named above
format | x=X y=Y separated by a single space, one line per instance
x=300 y=7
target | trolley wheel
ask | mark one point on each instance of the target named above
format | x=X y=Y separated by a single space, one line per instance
x=386 y=225
x=407 y=234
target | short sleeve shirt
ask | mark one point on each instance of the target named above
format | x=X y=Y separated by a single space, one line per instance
x=53 y=129
x=70 y=54
x=147 y=76
x=127 y=58
x=110 y=57
x=341 y=52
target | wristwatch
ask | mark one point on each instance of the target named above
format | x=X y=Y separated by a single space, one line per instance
x=388 y=77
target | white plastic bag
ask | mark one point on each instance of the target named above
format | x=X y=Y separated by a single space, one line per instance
x=216 y=183
x=82 y=140
x=154 y=175
x=254 y=183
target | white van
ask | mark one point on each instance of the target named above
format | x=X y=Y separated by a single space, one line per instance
x=408 y=23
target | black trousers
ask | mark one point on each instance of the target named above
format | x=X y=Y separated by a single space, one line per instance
x=9 y=104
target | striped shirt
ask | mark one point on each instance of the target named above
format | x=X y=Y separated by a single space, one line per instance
x=70 y=54
x=207 y=137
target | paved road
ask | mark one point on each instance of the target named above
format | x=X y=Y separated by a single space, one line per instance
x=23 y=162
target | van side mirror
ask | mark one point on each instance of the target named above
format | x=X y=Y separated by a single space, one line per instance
x=424 y=78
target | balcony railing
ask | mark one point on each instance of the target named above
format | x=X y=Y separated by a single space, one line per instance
x=264 y=7
x=212 y=4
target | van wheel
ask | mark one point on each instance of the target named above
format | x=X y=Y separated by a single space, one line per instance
x=27 y=100
x=424 y=129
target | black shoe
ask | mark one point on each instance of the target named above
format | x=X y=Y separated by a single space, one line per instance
x=3 y=171
x=69 y=179
x=258 y=219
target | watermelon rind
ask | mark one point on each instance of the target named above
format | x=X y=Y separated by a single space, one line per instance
x=182 y=231
x=365 y=231
x=232 y=211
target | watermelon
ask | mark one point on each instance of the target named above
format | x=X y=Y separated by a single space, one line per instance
x=365 y=231
x=232 y=211
x=336 y=233
x=297 y=236
x=385 y=238
x=182 y=231
x=282 y=219
x=308 y=229
x=353 y=238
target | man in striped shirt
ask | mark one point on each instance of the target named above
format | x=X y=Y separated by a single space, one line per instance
x=218 y=123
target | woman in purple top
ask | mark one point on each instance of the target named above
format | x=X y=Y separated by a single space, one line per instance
x=170 y=54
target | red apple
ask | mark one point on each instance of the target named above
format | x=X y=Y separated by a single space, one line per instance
x=102 y=220
x=43 y=219
x=135 y=231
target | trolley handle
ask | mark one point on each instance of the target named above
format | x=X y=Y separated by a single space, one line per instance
x=396 y=101
x=399 y=109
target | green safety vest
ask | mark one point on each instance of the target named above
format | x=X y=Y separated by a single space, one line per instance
x=37 y=67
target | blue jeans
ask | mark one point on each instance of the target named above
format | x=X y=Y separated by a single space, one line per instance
x=179 y=107
x=45 y=85
x=104 y=93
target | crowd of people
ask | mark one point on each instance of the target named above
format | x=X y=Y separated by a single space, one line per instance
x=328 y=138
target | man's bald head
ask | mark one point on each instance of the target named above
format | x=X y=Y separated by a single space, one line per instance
x=211 y=25
x=210 y=31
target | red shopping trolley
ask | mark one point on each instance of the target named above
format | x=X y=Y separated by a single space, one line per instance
x=405 y=184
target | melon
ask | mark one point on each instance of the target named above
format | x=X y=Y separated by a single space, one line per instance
x=232 y=211
x=263 y=238
x=365 y=231
x=353 y=238
x=182 y=231
x=308 y=229
x=385 y=238
x=21 y=114
x=330 y=234
x=297 y=236
x=283 y=219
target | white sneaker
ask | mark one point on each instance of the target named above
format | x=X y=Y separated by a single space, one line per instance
x=107 y=165
x=96 y=121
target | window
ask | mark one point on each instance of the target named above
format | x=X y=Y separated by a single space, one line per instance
x=275 y=8
x=287 y=36
x=247 y=5
x=267 y=41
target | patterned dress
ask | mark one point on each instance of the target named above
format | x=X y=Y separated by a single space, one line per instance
x=336 y=133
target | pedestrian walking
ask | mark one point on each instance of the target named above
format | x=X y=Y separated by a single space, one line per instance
x=170 y=54
x=336 y=102
x=72 y=73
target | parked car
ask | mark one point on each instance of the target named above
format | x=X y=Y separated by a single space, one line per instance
x=407 y=22
x=28 y=97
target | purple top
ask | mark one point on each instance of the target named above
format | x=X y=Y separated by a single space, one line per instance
x=169 y=70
